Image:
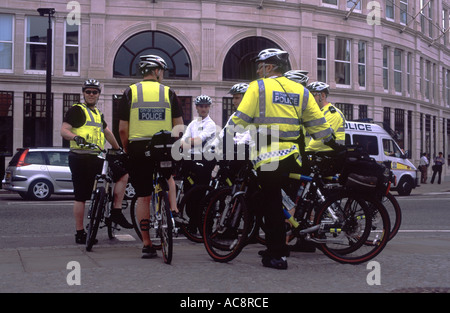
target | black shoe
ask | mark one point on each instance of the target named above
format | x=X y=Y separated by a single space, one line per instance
x=80 y=237
x=148 y=252
x=279 y=264
x=118 y=218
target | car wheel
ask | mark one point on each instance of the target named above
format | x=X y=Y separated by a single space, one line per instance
x=40 y=190
x=405 y=187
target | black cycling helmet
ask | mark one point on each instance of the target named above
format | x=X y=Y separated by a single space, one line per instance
x=319 y=87
x=203 y=99
x=298 y=76
x=149 y=62
x=91 y=83
x=238 y=88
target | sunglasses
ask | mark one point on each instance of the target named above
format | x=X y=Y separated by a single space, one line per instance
x=88 y=92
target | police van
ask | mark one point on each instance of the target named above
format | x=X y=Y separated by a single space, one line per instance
x=382 y=147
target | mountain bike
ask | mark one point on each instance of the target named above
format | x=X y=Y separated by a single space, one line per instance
x=102 y=197
x=161 y=225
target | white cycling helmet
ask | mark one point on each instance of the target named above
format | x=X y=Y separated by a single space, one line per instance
x=238 y=88
x=272 y=54
x=298 y=76
x=203 y=99
x=319 y=87
x=149 y=62
x=91 y=83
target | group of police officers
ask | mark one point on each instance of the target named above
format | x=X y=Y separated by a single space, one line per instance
x=279 y=106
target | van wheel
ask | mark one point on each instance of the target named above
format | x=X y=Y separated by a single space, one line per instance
x=405 y=187
x=41 y=189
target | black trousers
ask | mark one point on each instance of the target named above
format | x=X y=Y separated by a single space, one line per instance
x=437 y=170
x=271 y=183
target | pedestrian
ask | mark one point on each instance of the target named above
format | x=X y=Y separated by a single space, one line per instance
x=423 y=167
x=437 y=167
x=146 y=108
x=84 y=123
x=276 y=106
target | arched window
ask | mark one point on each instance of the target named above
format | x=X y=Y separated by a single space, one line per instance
x=239 y=64
x=152 y=42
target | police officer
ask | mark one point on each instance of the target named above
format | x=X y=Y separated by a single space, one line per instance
x=146 y=108
x=276 y=105
x=332 y=114
x=85 y=123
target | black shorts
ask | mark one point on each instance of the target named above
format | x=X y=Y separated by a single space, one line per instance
x=84 y=168
x=140 y=168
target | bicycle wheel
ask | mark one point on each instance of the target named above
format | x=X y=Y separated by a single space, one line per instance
x=359 y=223
x=192 y=207
x=156 y=242
x=395 y=213
x=96 y=209
x=226 y=225
x=165 y=229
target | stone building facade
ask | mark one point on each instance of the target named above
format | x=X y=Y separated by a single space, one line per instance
x=386 y=60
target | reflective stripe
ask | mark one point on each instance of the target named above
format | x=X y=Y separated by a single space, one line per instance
x=244 y=117
x=276 y=120
x=262 y=98
x=92 y=122
x=150 y=104
x=323 y=133
x=317 y=122
x=305 y=99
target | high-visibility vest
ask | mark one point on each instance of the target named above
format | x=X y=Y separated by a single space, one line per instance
x=336 y=118
x=92 y=130
x=150 y=110
x=278 y=107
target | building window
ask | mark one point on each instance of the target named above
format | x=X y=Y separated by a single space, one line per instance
x=362 y=112
x=227 y=109
x=6 y=42
x=342 y=62
x=390 y=9
x=36 y=43
x=239 y=64
x=403 y=11
x=385 y=68
x=399 y=127
x=387 y=118
x=72 y=48
x=408 y=72
x=35 y=119
x=186 y=105
x=322 y=58
x=347 y=110
x=362 y=63
x=152 y=42
x=69 y=99
x=427 y=77
x=332 y=2
x=447 y=87
x=6 y=122
x=398 y=70
x=352 y=3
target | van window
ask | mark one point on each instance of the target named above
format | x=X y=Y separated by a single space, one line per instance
x=391 y=149
x=367 y=142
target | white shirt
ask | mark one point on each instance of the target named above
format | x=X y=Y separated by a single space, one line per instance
x=423 y=161
x=200 y=128
x=239 y=138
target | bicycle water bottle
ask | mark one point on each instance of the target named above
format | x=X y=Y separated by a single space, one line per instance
x=299 y=193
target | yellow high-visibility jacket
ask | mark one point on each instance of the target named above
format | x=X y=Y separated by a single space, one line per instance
x=150 y=110
x=278 y=106
x=336 y=118
x=91 y=131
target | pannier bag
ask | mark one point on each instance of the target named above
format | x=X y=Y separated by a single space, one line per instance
x=362 y=173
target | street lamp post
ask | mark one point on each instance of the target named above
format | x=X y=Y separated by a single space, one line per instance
x=48 y=97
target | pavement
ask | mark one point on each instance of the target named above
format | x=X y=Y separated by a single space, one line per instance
x=57 y=268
